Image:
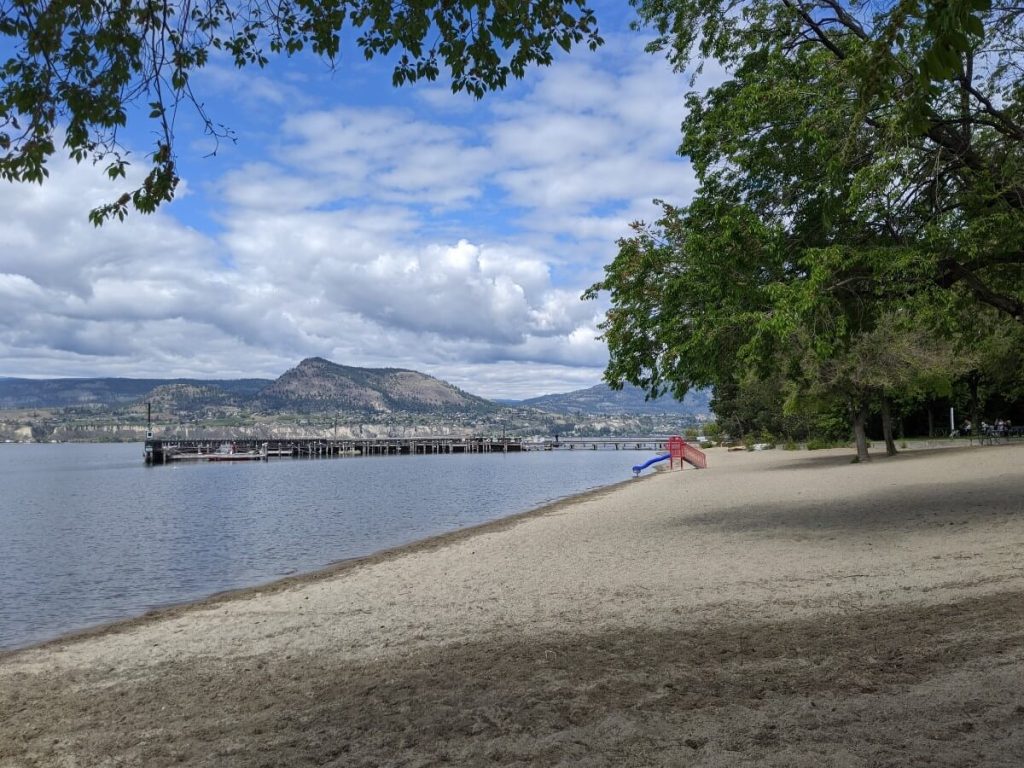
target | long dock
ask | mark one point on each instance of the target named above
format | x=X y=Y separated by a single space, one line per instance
x=166 y=451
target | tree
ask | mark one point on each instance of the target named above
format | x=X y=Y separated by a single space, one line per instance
x=994 y=352
x=78 y=67
x=811 y=240
x=711 y=296
x=763 y=406
x=690 y=295
x=937 y=88
x=876 y=367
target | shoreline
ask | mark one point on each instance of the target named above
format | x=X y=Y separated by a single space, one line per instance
x=778 y=609
x=328 y=571
x=339 y=567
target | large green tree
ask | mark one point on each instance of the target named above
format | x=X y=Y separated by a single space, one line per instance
x=831 y=216
x=77 y=68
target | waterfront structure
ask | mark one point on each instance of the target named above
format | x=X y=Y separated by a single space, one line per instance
x=159 y=451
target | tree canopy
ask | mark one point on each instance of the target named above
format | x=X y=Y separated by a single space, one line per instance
x=928 y=95
x=77 y=67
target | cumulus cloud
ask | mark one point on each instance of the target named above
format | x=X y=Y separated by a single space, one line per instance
x=592 y=135
x=421 y=234
x=386 y=154
x=152 y=297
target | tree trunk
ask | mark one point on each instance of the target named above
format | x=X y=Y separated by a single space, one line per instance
x=890 y=445
x=860 y=417
x=931 y=422
x=975 y=405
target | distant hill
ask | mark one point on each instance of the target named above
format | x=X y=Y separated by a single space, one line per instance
x=189 y=397
x=64 y=393
x=316 y=384
x=602 y=399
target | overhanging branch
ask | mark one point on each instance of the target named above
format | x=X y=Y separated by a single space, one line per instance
x=954 y=272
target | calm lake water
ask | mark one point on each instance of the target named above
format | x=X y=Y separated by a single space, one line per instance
x=88 y=534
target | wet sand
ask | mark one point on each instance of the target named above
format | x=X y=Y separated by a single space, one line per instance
x=779 y=608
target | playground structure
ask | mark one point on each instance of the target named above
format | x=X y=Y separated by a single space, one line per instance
x=678 y=450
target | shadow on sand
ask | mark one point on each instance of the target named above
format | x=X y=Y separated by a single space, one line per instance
x=767 y=694
x=893 y=509
x=815 y=460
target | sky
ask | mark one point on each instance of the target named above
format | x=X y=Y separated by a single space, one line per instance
x=373 y=226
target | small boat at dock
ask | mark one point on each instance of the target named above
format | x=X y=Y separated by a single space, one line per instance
x=226 y=452
x=230 y=452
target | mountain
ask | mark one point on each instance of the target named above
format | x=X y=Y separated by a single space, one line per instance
x=63 y=393
x=189 y=397
x=316 y=384
x=602 y=399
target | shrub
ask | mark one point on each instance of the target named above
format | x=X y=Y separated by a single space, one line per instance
x=819 y=443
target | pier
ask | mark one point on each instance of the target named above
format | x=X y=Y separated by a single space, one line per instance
x=653 y=443
x=167 y=451
x=159 y=451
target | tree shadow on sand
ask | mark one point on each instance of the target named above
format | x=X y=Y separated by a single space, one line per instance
x=815 y=460
x=896 y=509
x=780 y=693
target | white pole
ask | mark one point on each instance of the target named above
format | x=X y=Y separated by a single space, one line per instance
x=952 y=421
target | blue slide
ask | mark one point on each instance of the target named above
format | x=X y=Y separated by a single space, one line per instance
x=641 y=467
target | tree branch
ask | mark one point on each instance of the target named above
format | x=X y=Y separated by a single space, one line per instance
x=819 y=32
x=1008 y=125
x=954 y=272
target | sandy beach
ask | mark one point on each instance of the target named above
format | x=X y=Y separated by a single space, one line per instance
x=777 y=609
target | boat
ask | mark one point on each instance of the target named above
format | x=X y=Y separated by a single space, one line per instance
x=229 y=452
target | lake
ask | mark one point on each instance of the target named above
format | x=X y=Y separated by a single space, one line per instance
x=89 y=534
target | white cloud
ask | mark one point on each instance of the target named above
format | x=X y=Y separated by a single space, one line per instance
x=294 y=284
x=386 y=154
x=424 y=234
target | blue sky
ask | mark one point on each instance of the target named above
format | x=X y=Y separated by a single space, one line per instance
x=370 y=225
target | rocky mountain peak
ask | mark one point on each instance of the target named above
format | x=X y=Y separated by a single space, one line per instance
x=317 y=384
